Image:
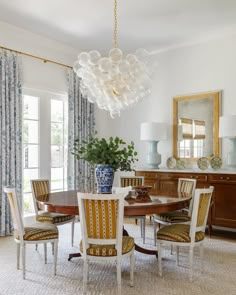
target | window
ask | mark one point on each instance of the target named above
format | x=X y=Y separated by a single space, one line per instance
x=44 y=141
x=191 y=135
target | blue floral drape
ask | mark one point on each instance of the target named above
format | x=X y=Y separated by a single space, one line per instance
x=81 y=125
x=10 y=133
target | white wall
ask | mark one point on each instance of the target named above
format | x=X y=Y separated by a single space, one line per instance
x=198 y=68
x=36 y=73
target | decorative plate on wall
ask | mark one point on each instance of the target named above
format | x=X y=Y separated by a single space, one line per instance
x=171 y=163
x=203 y=163
x=216 y=163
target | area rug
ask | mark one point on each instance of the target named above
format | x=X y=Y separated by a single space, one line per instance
x=218 y=279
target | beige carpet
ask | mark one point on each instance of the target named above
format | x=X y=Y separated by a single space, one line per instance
x=219 y=277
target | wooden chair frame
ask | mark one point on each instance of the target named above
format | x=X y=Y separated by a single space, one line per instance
x=36 y=209
x=19 y=226
x=181 y=193
x=116 y=241
x=135 y=181
x=196 y=225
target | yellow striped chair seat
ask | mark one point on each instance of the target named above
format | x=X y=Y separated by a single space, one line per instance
x=109 y=250
x=173 y=217
x=53 y=217
x=178 y=233
x=39 y=232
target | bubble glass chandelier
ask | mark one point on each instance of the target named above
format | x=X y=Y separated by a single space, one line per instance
x=115 y=82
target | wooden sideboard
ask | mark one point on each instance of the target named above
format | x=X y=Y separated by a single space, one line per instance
x=223 y=210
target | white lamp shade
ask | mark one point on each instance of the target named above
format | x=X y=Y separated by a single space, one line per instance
x=153 y=131
x=227 y=126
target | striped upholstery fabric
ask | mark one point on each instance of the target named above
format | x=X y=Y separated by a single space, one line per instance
x=173 y=217
x=131 y=181
x=178 y=233
x=102 y=221
x=40 y=187
x=38 y=232
x=40 y=190
x=202 y=208
x=109 y=250
x=53 y=217
x=185 y=188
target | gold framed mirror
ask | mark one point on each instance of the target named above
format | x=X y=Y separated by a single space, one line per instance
x=196 y=125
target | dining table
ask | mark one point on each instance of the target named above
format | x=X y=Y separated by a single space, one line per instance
x=66 y=202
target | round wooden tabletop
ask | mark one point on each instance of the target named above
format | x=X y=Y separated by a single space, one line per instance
x=66 y=202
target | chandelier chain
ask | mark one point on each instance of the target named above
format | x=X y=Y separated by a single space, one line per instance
x=115 y=45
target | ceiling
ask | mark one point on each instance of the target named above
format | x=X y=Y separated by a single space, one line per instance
x=153 y=24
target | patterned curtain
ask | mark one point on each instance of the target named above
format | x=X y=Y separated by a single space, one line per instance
x=10 y=133
x=81 y=125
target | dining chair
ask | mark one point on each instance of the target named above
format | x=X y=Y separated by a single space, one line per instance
x=135 y=181
x=40 y=188
x=187 y=235
x=101 y=220
x=186 y=188
x=37 y=233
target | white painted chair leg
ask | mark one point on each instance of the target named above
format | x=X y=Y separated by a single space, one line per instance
x=45 y=253
x=52 y=248
x=118 y=272
x=154 y=232
x=177 y=255
x=143 y=224
x=18 y=255
x=132 y=269
x=202 y=258
x=159 y=259
x=72 y=232
x=190 y=264
x=55 y=246
x=23 y=259
x=85 y=276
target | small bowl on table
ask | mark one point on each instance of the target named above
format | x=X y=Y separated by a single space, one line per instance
x=142 y=193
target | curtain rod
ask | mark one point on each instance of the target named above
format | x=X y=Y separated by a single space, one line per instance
x=37 y=57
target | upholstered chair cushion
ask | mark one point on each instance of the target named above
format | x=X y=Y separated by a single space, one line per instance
x=178 y=233
x=53 y=217
x=173 y=217
x=109 y=250
x=39 y=231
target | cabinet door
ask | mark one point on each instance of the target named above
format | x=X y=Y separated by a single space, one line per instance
x=168 y=188
x=223 y=212
x=154 y=184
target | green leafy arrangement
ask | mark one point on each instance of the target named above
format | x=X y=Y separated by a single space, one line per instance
x=114 y=152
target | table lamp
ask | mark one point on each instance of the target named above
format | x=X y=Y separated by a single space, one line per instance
x=153 y=132
x=227 y=129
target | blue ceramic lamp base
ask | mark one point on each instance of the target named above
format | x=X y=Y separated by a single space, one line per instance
x=153 y=157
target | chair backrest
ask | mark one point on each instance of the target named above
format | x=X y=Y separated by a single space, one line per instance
x=186 y=188
x=131 y=181
x=118 y=189
x=15 y=211
x=101 y=219
x=201 y=205
x=39 y=187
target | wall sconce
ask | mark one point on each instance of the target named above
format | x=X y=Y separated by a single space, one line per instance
x=227 y=129
x=153 y=132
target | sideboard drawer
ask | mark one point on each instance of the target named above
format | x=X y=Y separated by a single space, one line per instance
x=176 y=176
x=222 y=178
x=147 y=174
